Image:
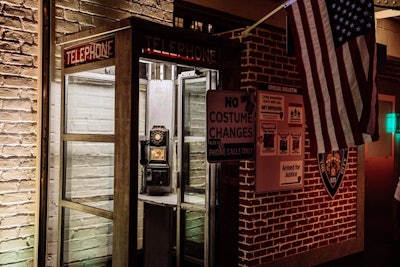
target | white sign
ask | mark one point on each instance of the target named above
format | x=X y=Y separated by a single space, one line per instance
x=230 y=126
x=291 y=172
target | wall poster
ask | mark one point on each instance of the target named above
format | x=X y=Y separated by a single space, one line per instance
x=280 y=138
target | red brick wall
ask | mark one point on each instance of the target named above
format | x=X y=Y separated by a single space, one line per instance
x=274 y=226
x=281 y=224
x=392 y=71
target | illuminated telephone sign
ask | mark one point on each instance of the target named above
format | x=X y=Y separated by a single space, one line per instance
x=89 y=52
x=160 y=46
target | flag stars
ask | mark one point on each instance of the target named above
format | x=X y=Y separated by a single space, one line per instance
x=349 y=19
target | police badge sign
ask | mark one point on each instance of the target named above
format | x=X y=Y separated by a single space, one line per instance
x=332 y=166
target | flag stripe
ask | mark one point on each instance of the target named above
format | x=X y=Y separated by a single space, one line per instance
x=300 y=27
x=372 y=126
x=328 y=59
x=319 y=81
x=369 y=117
x=351 y=97
x=322 y=113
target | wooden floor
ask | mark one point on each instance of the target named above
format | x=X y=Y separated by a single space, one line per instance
x=381 y=250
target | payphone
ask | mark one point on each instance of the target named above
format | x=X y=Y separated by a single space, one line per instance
x=154 y=158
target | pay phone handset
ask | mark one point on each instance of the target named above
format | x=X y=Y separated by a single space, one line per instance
x=154 y=158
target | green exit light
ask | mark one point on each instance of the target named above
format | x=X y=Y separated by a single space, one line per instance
x=392 y=123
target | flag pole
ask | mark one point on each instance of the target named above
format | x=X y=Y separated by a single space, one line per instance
x=284 y=5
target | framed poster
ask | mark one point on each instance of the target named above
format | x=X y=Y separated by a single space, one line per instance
x=280 y=138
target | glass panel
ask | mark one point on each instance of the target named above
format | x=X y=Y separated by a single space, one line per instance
x=87 y=239
x=194 y=117
x=89 y=173
x=194 y=172
x=194 y=147
x=193 y=241
x=90 y=101
x=142 y=127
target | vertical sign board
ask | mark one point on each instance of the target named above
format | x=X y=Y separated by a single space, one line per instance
x=280 y=138
x=230 y=126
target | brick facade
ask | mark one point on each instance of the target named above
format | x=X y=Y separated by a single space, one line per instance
x=18 y=130
x=392 y=71
x=74 y=16
x=278 y=225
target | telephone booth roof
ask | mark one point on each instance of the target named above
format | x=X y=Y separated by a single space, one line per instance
x=162 y=42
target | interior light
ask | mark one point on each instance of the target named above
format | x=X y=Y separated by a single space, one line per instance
x=393 y=122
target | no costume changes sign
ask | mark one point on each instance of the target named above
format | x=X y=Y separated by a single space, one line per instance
x=230 y=126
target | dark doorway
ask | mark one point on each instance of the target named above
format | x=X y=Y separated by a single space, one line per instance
x=379 y=190
x=379 y=177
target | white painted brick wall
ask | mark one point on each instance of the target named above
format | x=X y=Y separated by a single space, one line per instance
x=87 y=237
x=90 y=109
x=54 y=173
x=18 y=128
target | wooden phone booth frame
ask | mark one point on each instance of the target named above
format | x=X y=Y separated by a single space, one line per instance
x=132 y=40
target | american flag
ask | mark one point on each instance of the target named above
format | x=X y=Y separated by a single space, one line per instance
x=335 y=50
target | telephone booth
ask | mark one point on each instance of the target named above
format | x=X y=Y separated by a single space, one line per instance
x=136 y=188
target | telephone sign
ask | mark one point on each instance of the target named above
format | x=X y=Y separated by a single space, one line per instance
x=89 y=52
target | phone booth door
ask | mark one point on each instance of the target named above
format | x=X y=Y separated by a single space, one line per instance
x=198 y=179
x=176 y=196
